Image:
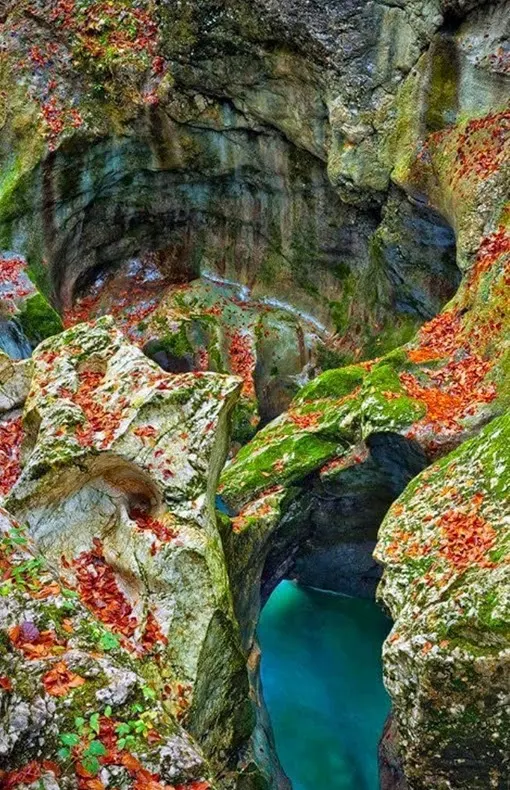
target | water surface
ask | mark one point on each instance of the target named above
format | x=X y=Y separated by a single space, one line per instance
x=321 y=672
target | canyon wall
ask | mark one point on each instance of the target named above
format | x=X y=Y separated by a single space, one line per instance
x=342 y=168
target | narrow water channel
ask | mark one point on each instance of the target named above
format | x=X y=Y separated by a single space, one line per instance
x=321 y=673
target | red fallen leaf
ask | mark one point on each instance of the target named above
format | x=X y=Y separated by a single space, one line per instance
x=257 y=509
x=11 y=437
x=144 y=780
x=491 y=248
x=82 y=773
x=145 y=522
x=146 y=432
x=438 y=337
x=305 y=421
x=49 y=765
x=5 y=683
x=130 y=762
x=30 y=773
x=242 y=360
x=91 y=784
x=100 y=592
x=153 y=737
x=60 y=680
x=33 y=643
x=152 y=634
x=466 y=539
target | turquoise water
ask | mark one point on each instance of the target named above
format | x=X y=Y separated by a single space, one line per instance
x=321 y=673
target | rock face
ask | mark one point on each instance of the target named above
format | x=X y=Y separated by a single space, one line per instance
x=247 y=169
x=443 y=545
x=26 y=317
x=72 y=694
x=117 y=490
x=343 y=169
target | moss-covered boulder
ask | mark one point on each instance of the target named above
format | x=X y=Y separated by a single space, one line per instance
x=212 y=324
x=79 y=708
x=445 y=547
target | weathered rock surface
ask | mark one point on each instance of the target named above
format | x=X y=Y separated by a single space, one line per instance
x=117 y=492
x=351 y=158
x=241 y=138
x=26 y=317
x=74 y=699
x=444 y=545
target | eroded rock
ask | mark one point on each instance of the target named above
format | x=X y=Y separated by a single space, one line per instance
x=117 y=491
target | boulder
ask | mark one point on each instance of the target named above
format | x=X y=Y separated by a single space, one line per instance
x=117 y=492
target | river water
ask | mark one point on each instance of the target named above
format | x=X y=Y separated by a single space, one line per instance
x=321 y=673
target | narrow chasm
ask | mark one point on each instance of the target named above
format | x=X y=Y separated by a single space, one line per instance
x=249 y=264
x=322 y=680
x=254 y=427
x=321 y=634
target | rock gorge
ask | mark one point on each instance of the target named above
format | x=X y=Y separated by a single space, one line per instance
x=254 y=326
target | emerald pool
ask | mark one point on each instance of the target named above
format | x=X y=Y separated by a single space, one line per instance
x=322 y=680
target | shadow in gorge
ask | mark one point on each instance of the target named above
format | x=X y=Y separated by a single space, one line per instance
x=322 y=683
x=321 y=651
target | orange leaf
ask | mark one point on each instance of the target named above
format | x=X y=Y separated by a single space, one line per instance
x=130 y=762
x=47 y=591
x=59 y=680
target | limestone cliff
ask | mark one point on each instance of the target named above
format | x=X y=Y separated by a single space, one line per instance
x=314 y=198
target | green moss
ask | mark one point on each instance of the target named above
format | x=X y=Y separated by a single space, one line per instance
x=397 y=359
x=253 y=472
x=179 y=28
x=442 y=98
x=341 y=310
x=38 y=319
x=175 y=344
x=381 y=412
x=332 y=384
x=396 y=331
x=14 y=200
x=384 y=378
x=244 y=421
x=303 y=254
x=330 y=358
x=270 y=267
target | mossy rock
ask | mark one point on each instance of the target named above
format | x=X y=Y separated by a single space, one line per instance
x=385 y=405
x=38 y=319
x=334 y=383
